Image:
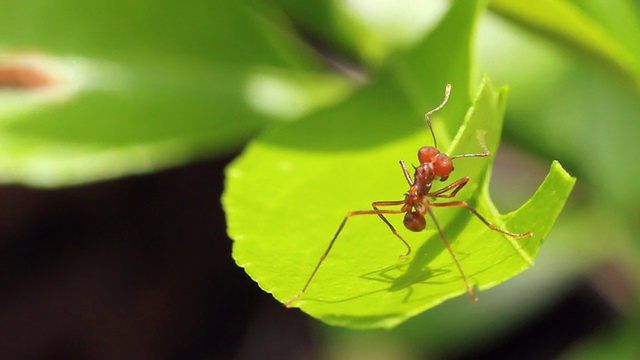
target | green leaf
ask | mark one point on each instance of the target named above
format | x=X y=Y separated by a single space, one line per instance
x=287 y=193
x=614 y=45
x=367 y=33
x=135 y=87
x=280 y=234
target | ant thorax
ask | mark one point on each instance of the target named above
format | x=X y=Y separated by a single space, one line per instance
x=423 y=178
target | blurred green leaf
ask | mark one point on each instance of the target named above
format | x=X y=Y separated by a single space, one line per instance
x=137 y=87
x=614 y=45
x=310 y=173
x=224 y=31
x=369 y=32
x=554 y=95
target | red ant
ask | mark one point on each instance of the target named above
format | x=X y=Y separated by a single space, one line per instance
x=434 y=164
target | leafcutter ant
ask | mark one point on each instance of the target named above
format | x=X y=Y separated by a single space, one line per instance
x=418 y=201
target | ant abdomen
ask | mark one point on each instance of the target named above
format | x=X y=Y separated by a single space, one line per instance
x=414 y=221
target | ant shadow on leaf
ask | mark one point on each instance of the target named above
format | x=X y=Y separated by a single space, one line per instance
x=405 y=275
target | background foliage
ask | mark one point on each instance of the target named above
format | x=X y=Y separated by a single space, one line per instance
x=136 y=87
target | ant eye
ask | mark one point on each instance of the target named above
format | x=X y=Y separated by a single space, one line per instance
x=427 y=154
x=443 y=166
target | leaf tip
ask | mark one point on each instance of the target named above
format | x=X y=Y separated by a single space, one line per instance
x=557 y=168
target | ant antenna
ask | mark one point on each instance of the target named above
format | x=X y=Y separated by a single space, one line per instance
x=447 y=91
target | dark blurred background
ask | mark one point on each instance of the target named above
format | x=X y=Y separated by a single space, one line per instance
x=138 y=268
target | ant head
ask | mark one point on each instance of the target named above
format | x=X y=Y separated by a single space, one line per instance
x=427 y=154
x=442 y=164
x=414 y=221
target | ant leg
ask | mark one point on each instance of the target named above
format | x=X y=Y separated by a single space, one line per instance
x=406 y=172
x=453 y=255
x=391 y=227
x=456 y=186
x=476 y=213
x=483 y=144
x=333 y=240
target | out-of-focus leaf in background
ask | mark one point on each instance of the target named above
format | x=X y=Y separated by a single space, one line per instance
x=608 y=33
x=578 y=100
x=588 y=114
x=140 y=86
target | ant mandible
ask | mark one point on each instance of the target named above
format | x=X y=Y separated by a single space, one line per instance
x=434 y=164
